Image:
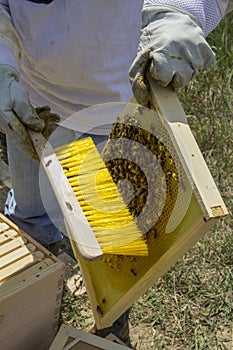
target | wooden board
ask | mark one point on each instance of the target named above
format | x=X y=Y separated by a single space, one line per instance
x=115 y=283
x=30 y=291
x=69 y=338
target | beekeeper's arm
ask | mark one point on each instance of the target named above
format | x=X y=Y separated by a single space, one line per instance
x=172 y=47
x=16 y=112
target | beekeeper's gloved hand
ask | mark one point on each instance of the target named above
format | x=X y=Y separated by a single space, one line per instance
x=16 y=112
x=172 y=49
x=51 y=120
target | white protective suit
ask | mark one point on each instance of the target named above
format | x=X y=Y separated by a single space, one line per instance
x=78 y=53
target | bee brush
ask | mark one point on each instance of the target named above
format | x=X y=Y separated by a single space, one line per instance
x=98 y=195
x=77 y=225
x=97 y=219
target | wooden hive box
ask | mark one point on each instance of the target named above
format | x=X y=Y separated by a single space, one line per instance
x=69 y=338
x=192 y=206
x=31 y=284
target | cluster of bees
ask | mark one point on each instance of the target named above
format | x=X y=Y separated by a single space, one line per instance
x=148 y=167
x=144 y=171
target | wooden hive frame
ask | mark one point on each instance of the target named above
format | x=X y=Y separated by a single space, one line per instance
x=112 y=283
x=69 y=338
x=31 y=284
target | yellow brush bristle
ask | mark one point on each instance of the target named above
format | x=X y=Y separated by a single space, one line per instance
x=102 y=204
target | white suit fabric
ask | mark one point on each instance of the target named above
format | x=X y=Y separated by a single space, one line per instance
x=78 y=53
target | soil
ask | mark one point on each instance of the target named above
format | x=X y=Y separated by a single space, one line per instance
x=3 y=157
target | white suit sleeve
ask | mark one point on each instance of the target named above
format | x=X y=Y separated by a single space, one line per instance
x=208 y=12
x=10 y=43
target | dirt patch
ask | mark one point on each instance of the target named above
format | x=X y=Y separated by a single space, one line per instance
x=142 y=336
x=3 y=195
x=3 y=151
x=3 y=158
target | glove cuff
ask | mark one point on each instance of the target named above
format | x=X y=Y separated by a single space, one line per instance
x=8 y=57
x=206 y=13
x=150 y=13
x=10 y=38
x=9 y=70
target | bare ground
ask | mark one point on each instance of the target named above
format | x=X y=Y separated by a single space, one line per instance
x=3 y=157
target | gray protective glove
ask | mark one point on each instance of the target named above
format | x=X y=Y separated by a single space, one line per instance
x=16 y=112
x=51 y=120
x=172 y=49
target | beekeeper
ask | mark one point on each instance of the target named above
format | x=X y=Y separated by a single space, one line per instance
x=69 y=55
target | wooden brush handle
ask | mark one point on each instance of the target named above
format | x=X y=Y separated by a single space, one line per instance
x=168 y=106
x=78 y=227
